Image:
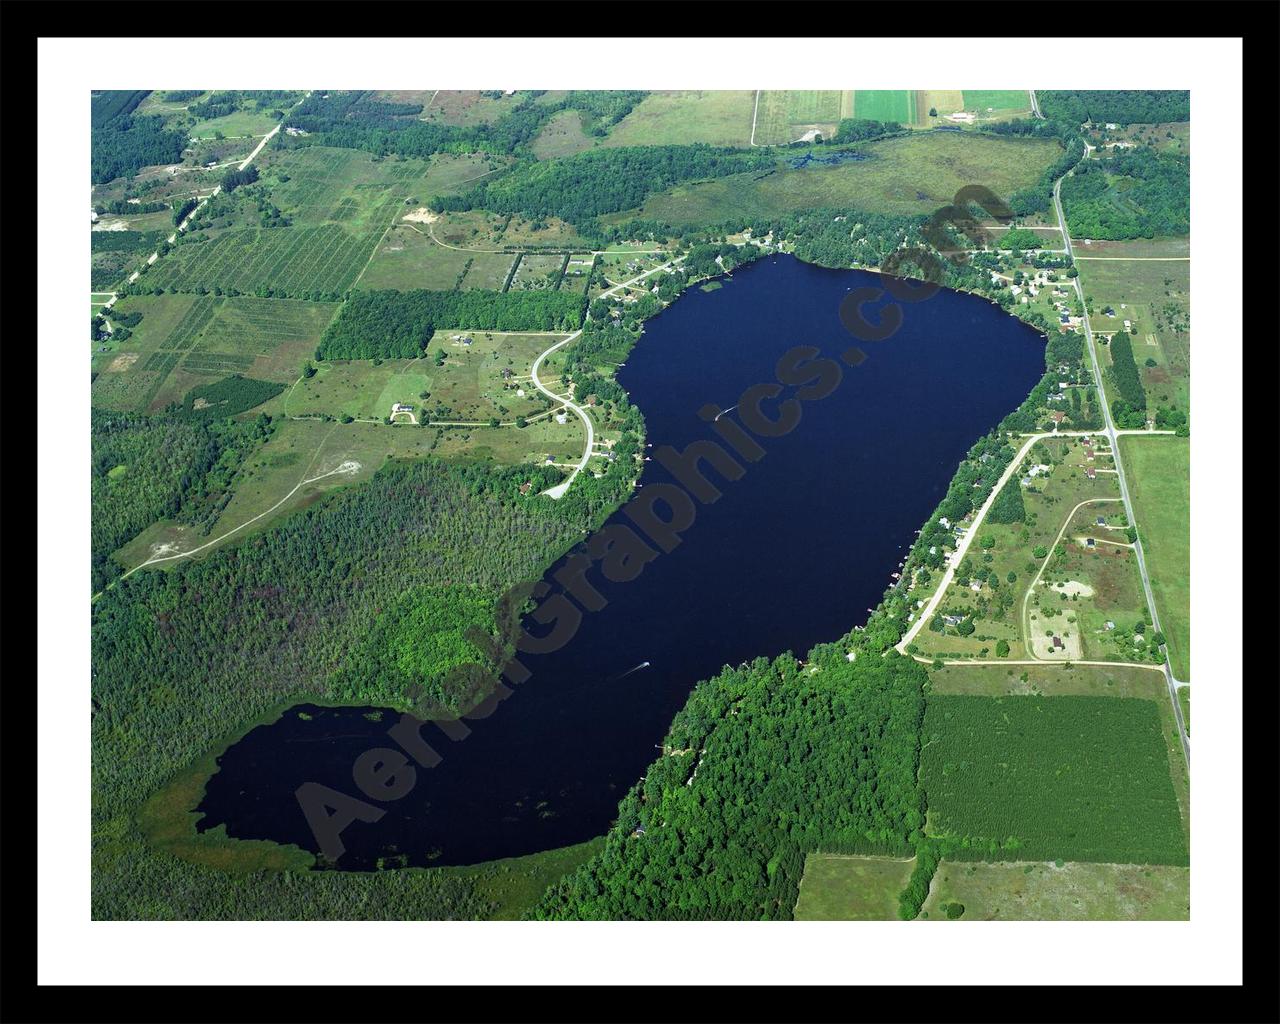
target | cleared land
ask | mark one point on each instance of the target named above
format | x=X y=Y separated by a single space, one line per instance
x=718 y=117
x=1159 y=475
x=788 y=116
x=844 y=888
x=1070 y=777
x=1074 y=891
x=561 y=136
x=911 y=175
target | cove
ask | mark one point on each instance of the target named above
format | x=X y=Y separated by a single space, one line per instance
x=794 y=553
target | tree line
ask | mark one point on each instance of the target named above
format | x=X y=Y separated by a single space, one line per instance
x=1121 y=106
x=764 y=764
x=392 y=324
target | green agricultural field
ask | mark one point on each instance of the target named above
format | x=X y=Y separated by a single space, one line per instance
x=409 y=258
x=988 y=101
x=1080 y=680
x=1158 y=470
x=1076 y=778
x=885 y=105
x=1039 y=891
x=843 y=888
x=912 y=175
x=716 y=117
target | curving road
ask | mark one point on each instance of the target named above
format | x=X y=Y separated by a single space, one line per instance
x=559 y=489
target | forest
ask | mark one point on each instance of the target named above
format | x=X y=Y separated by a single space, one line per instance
x=107 y=105
x=126 y=143
x=1129 y=408
x=1121 y=106
x=355 y=120
x=1135 y=193
x=179 y=657
x=398 y=325
x=225 y=398
x=764 y=764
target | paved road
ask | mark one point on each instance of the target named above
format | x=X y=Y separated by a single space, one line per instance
x=559 y=489
x=1113 y=436
x=927 y=612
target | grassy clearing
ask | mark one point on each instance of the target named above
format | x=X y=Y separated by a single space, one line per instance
x=912 y=175
x=1159 y=470
x=562 y=136
x=716 y=117
x=1044 y=891
x=1071 y=777
x=467 y=386
x=1184 y=698
x=997 y=101
x=845 y=888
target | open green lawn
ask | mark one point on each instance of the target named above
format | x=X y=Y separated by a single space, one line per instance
x=911 y=175
x=717 y=117
x=885 y=105
x=1158 y=469
x=843 y=888
x=1044 y=891
x=1071 y=777
x=984 y=101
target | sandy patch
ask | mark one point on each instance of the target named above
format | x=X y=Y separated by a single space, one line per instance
x=422 y=216
x=122 y=362
x=115 y=225
x=1073 y=587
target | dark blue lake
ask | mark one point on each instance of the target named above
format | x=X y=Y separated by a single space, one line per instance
x=793 y=554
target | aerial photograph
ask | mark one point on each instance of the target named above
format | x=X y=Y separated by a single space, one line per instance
x=640 y=505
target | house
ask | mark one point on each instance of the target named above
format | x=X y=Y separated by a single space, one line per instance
x=1088 y=453
x=1100 y=521
x=953 y=620
x=1057 y=417
x=1058 y=645
x=400 y=407
x=506 y=373
x=551 y=460
x=562 y=417
x=1090 y=472
x=524 y=487
x=1089 y=542
x=1109 y=624
x=944 y=522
